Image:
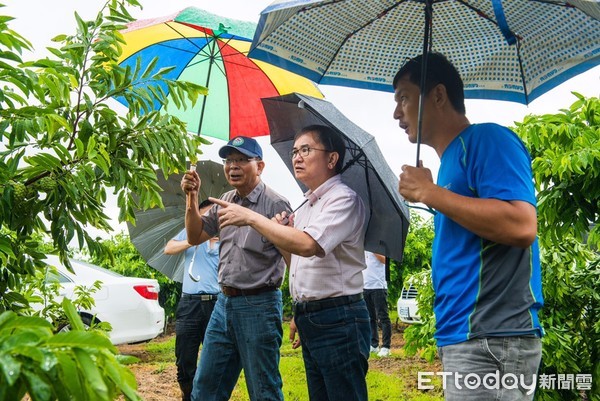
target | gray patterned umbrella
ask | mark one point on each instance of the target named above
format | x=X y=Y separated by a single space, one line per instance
x=155 y=227
x=513 y=50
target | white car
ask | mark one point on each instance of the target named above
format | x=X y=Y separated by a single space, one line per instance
x=408 y=309
x=129 y=304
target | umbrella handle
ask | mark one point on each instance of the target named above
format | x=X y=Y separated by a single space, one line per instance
x=191 y=266
x=286 y=219
x=189 y=196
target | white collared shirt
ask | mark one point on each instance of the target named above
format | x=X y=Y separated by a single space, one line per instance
x=374 y=274
x=334 y=217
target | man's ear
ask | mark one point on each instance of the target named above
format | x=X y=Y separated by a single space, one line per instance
x=440 y=95
x=333 y=158
x=261 y=165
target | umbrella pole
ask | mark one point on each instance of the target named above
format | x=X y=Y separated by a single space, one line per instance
x=188 y=197
x=210 y=64
x=424 y=59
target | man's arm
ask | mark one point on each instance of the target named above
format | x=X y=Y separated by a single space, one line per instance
x=280 y=218
x=511 y=223
x=174 y=247
x=194 y=226
x=286 y=238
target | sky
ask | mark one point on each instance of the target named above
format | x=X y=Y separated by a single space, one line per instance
x=370 y=110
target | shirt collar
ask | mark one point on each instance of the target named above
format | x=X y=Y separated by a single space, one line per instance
x=314 y=196
x=252 y=197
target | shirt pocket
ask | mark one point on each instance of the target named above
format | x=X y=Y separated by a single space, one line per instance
x=254 y=242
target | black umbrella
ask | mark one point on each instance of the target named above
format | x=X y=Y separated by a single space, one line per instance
x=155 y=227
x=365 y=169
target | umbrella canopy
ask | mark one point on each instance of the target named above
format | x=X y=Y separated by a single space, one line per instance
x=155 y=227
x=211 y=51
x=365 y=169
x=513 y=50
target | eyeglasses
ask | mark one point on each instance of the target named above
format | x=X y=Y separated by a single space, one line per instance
x=304 y=151
x=240 y=162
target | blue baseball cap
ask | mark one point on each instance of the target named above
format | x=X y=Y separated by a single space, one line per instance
x=242 y=144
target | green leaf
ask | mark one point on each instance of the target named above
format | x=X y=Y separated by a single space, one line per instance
x=84 y=339
x=38 y=386
x=124 y=379
x=11 y=368
x=69 y=375
x=72 y=315
x=127 y=359
x=80 y=147
x=92 y=375
x=149 y=68
x=91 y=148
x=15 y=298
x=9 y=321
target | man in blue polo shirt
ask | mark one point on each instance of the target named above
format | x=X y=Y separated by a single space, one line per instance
x=485 y=266
x=199 y=295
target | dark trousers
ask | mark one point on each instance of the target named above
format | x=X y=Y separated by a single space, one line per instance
x=335 y=349
x=192 y=317
x=378 y=312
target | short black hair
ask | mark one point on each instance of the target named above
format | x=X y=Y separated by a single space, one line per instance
x=439 y=71
x=205 y=203
x=330 y=139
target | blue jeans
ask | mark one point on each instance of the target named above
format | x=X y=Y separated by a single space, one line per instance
x=335 y=347
x=191 y=320
x=243 y=333
x=484 y=368
x=378 y=312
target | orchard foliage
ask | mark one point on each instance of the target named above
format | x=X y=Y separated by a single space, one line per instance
x=74 y=365
x=416 y=256
x=63 y=145
x=565 y=149
x=415 y=269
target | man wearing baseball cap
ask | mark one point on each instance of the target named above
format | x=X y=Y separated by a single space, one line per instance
x=245 y=329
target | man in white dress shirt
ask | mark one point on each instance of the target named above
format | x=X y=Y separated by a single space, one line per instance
x=376 y=299
x=325 y=241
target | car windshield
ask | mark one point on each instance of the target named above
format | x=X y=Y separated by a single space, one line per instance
x=54 y=261
x=97 y=268
x=54 y=276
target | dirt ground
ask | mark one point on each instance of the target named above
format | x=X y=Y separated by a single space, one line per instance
x=159 y=383
x=155 y=383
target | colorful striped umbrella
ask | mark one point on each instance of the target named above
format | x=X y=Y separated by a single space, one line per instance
x=212 y=51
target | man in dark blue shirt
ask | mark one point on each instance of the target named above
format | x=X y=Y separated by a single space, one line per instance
x=199 y=295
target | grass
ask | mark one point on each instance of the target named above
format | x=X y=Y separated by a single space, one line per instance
x=163 y=351
x=389 y=379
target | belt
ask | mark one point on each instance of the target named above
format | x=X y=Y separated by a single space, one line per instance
x=201 y=297
x=236 y=292
x=314 y=306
